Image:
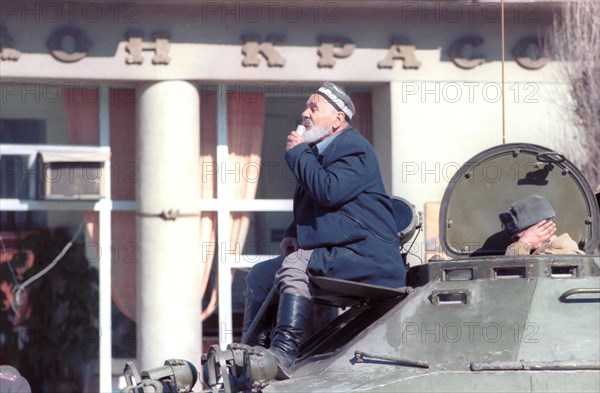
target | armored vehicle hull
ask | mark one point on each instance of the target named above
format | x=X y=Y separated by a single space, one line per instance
x=495 y=324
x=472 y=319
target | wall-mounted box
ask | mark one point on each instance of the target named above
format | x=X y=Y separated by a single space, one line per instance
x=72 y=175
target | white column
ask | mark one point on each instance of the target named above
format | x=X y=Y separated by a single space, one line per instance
x=223 y=225
x=382 y=133
x=170 y=263
x=105 y=231
x=409 y=152
x=399 y=144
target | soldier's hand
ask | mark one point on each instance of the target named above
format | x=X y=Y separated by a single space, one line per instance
x=538 y=234
x=288 y=245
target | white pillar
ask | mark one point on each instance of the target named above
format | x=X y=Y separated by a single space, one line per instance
x=105 y=239
x=408 y=155
x=382 y=133
x=170 y=265
x=399 y=141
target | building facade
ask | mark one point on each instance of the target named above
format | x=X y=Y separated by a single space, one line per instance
x=176 y=113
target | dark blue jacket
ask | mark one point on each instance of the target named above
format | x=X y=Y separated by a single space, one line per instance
x=343 y=213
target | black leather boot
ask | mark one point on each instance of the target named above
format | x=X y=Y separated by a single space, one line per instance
x=292 y=318
x=261 y=334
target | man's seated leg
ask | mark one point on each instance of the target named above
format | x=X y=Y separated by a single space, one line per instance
x=295 y=301
x=259 y=282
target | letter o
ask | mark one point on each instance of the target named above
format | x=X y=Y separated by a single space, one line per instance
x=91 y=92
x=498 y=335
x=486 y=173
x=96 y=250
x=257 y=12
x=456 y=337
x=55 y=44
x=49 y=96
x=295 y=95
x=86 y=14
x=457 y=95
x=495 y=17
x=51 y=8
x=498 y=92
x=296 y=9
x=251 y=93
x=457 y=11
x=251 y=172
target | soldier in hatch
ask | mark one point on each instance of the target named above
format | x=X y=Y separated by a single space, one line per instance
x=529 y=223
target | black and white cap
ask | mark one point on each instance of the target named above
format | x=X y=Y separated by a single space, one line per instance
x=338 y=98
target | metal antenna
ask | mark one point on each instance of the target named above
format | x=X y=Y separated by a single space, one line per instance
x=502 y=77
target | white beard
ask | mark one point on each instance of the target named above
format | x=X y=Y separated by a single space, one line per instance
x=314 y=134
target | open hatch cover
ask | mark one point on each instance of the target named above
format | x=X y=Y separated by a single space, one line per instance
x=491 y=181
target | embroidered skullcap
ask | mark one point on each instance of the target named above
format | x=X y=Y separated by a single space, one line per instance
x=525 y=213
x=8 y=369
x=338 y=98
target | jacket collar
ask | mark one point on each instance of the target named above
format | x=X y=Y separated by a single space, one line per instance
x=321 y=146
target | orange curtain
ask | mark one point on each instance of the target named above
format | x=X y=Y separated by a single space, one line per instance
x=124 y=171
x=363 y=119
x=82 y=114
x=245 y=125
x=208 y=190
x=245 y=133
x=245 y=129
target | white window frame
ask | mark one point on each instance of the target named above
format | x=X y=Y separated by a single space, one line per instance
x=222 y=205
x=103 y=206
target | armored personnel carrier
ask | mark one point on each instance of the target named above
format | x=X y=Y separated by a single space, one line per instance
x=471 y=319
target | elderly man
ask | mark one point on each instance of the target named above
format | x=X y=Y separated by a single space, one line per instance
x=529 y=222
x=343 y=224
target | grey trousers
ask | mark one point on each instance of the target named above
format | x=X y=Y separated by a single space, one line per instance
x=286 y=274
